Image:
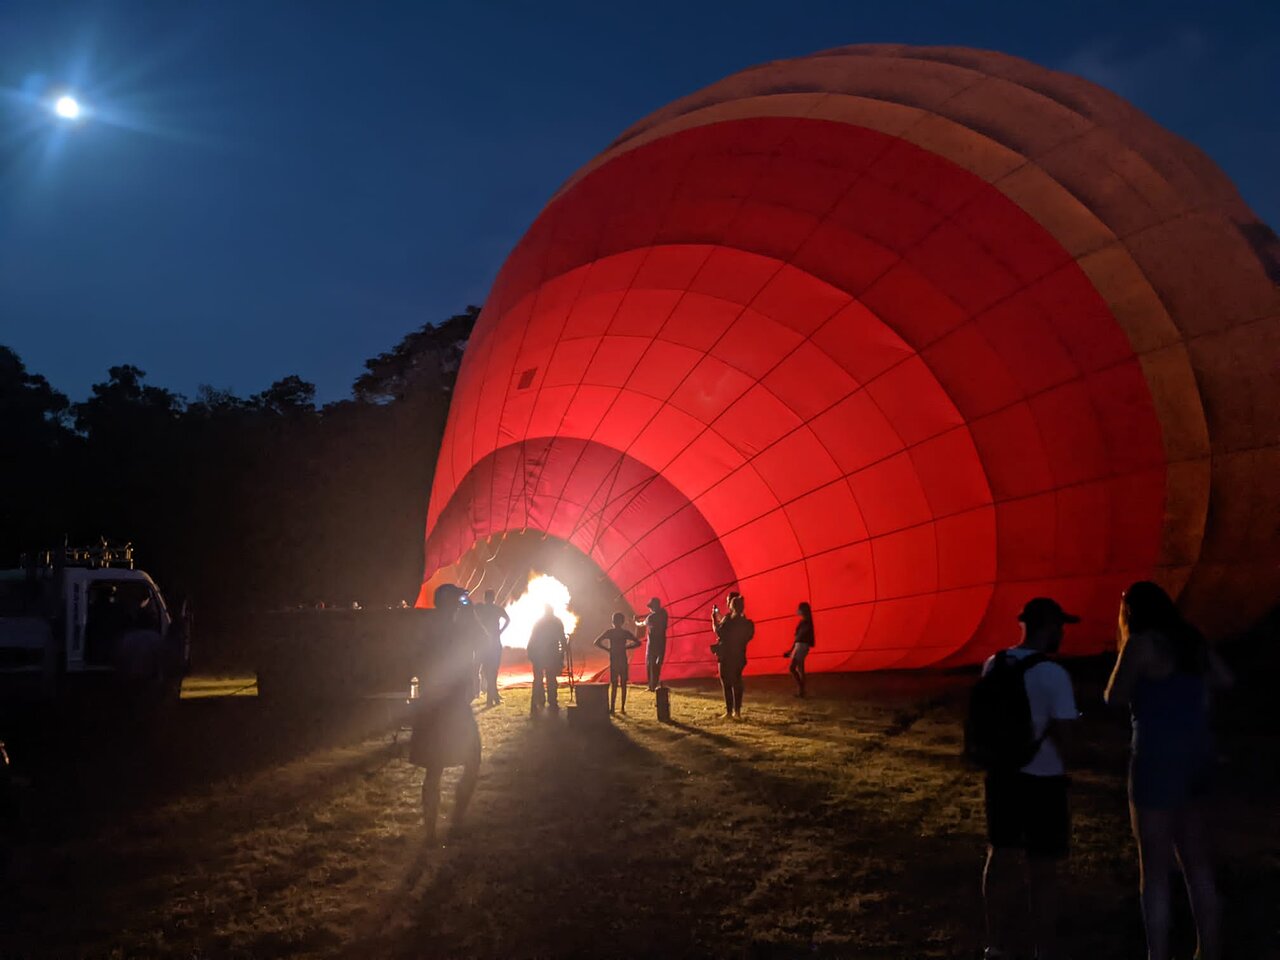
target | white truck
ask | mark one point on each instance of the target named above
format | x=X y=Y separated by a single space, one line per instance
x=76 y=621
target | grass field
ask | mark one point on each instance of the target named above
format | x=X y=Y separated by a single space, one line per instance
x=843 y=825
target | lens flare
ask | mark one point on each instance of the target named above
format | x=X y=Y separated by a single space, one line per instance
x=527 y=609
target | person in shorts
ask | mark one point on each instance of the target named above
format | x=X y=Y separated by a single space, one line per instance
x=1026 y=809
x=801 y=646
x=619 y=641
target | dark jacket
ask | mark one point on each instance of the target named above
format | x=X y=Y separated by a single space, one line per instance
x=733 y=634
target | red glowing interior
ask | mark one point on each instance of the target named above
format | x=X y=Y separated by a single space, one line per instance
x=813 y=362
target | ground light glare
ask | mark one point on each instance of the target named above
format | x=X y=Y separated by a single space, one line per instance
x=528 y=608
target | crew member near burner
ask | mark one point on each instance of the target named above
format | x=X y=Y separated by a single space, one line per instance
x=546 y=654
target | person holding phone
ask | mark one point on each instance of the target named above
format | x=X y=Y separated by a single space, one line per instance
x=655 y=628
x=733 y=632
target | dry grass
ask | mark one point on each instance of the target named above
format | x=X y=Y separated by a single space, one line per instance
x=839 y=826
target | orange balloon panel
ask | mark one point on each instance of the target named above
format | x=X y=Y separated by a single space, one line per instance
x=834 y=349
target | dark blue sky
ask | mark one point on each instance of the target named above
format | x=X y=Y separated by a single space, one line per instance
x=288 y=187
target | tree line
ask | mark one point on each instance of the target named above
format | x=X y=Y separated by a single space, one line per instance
x=239 y=503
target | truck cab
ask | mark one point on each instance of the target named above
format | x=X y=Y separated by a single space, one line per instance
x=86 y=618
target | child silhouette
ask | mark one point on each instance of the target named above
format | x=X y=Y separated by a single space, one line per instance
x=618 y=640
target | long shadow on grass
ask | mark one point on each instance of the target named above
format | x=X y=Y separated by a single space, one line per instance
x=717 y=738
x=612 y=839
x=549 y=864
x=90 y=772
x=593 y=844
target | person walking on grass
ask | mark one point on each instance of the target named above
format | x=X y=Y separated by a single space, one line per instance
x=733 y=632
x=1165 y=672
x=546 y=654
x=655 y=631
x=444 y=728
x=801 y=645
x=619 y=641
x=1019 y=715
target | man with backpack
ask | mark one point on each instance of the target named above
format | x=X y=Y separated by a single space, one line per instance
x=1016 y=728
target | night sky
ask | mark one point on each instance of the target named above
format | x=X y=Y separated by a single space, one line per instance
x=289 y=187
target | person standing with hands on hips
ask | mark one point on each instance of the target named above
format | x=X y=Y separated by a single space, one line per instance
x=619 y=641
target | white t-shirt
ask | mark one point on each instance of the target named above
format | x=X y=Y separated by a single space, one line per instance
x=1051 y=697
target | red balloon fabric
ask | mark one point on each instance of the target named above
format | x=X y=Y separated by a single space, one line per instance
x=861 y=329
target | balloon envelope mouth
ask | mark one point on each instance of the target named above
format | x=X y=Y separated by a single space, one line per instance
x=542 y=591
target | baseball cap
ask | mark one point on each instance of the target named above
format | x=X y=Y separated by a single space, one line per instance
x=447 y=593
x=1040 y=610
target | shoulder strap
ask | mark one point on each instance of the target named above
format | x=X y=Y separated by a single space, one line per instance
x=1023 y=664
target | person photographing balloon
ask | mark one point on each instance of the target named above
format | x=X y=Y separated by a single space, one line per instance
x=733 y=632
x=655 y=628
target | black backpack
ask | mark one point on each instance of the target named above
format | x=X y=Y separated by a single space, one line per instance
x=999 y=732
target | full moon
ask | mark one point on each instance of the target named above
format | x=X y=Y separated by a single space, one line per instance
x=67 y=107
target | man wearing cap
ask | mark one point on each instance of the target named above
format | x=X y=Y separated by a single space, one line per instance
x=1027 y=808
x=655 y=629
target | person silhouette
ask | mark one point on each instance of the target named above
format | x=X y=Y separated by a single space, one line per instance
x=546 y=654
x=494 y=620
x=801 y=646
x=655 y=626
x=444 y=728
x=1165 y=672
x=618 y=640
x=733 y=632
x=1026 y=806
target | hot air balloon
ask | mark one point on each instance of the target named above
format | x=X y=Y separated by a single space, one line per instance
x=913 y=334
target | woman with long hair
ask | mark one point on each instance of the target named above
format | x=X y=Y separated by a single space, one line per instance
x=733 y=632
x=801 y=645
x=1165 y=672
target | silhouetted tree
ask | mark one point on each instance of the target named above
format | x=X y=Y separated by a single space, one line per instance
x=426 y=360
x=241 y=503
x=35 y=442
x=290 y=395
x=31 y=411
